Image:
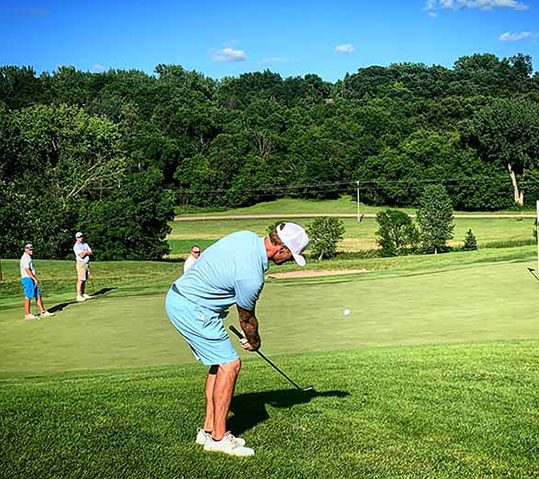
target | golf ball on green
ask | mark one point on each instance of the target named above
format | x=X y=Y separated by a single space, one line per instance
x=346 y=312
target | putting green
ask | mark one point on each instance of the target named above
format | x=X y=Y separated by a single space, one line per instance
x=482 y=302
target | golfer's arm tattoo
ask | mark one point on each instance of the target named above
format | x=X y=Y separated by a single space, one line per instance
x=249 y=324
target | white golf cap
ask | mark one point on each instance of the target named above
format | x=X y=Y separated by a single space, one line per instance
x=78 y=234
x=295 y=239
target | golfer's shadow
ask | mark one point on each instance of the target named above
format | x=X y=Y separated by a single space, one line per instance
x=250 y=409
x=62 y=306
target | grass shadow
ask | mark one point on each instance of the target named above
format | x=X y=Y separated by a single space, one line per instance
x=62 y=306
x=250 y=409
x=101 y=292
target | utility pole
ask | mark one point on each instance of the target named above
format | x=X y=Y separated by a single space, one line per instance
x=358 y=220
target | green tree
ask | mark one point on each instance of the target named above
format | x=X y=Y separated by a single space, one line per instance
x=470 y=241
x=132 y=223
x=396 y=233
x=324 y=234
x=435 y=219
x=506 y=134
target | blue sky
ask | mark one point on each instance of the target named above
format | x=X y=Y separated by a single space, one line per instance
x=219 y=38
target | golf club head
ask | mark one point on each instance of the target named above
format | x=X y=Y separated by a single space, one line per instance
x=308 y=389
x=531 y=270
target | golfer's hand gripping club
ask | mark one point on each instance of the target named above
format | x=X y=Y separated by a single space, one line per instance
x=243 y=340
x=242 y=337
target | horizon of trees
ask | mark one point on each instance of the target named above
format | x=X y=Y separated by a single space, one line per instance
x=114 y=151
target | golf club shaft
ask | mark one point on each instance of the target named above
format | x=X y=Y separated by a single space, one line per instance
x=241 y=336
x=531 y=270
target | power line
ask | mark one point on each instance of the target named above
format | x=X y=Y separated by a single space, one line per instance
x=344 y=185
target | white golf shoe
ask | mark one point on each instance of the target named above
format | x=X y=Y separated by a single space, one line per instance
x=30 y=316
x=86 y=296
x=202 y=437
x=80 y=299
x=47 y=314
x=228 y=445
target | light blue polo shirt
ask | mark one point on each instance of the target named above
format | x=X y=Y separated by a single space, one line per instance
x=229 y=271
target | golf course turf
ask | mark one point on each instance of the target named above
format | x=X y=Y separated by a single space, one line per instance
x=444 y=411
x=434 y=374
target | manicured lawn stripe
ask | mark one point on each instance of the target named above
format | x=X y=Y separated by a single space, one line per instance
x=441 y=411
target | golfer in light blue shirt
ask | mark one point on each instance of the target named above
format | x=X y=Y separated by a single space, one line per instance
x=230 y=271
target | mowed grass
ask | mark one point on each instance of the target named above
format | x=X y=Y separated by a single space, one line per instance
x=346 y=204
x=434 y=374
x=58 y=279
x=401 y=303
x=358 y=236
x=445 y=411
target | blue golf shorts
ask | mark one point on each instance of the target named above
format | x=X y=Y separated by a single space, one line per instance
x=30 y=288
x=202 y=329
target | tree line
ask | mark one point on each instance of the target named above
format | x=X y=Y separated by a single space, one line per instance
x=111 y=153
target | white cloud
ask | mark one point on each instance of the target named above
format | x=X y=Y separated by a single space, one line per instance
x=431 y=6
x=98 y=68
x=271 y=60
x=345 y=48
x=515 y=37
x=228 y=54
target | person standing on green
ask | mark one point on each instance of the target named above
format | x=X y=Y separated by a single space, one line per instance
x=82 y=256
x=31 y=284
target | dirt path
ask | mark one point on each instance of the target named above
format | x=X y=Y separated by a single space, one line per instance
x=337 y=215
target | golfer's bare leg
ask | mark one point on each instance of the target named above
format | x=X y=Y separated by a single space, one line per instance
x=27 y=306
x=223 y=390
x=80 y=287
x=39 y=302
x=210 y=383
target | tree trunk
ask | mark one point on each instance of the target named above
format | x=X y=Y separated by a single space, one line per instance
x=519 y=195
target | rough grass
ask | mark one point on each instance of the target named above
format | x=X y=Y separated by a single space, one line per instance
x=443 y=411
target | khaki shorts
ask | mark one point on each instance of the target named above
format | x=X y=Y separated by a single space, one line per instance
x=83 y=271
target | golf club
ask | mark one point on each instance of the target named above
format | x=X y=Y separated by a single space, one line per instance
x=241 y=336
x=531 y=270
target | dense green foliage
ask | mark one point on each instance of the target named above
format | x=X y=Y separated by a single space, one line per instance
x=396 y=234
x=325 y=234
x=71 y=138
x=63 y=170
x=435 y=219
x=470 y=241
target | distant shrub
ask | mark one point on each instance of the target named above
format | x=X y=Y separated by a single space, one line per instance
x=273 y=225
x=508 y=243
x=324 y=234
x=470 y=241
x=396 y=233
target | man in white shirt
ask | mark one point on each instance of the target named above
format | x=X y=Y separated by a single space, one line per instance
x=82 y=256
x=190 y=261
x=31 y=284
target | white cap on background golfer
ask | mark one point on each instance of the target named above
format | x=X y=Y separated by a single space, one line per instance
x=295 y=239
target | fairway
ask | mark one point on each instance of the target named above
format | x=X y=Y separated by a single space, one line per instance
x=470 y=303
x=358 y=236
